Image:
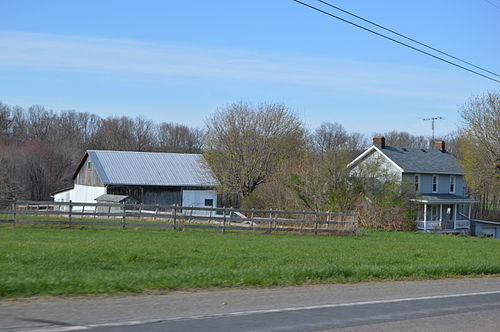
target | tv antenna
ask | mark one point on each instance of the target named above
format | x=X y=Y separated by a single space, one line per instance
x=433 y=119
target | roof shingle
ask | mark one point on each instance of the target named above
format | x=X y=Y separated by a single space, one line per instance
x=413 y=160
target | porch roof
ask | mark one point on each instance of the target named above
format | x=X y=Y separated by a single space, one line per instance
x=443 y=199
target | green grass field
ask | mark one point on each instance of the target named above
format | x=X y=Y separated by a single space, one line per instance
x=55 y=261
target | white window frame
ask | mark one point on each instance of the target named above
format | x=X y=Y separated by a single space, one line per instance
x=453 y=184
x=434 y=176
x=416 y=182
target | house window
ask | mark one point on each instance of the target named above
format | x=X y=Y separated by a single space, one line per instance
x=89 y=165
x=209 y=202
x=417 y=182
x=434 y=183
x=452 y=184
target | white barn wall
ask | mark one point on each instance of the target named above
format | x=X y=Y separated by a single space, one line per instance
x=86 y=194
x=80 y=194
x=196 y=198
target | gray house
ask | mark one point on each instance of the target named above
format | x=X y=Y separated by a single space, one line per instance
x=433 y=173
x=148 y=177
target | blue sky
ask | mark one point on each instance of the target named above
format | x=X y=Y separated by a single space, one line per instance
x=177 y=61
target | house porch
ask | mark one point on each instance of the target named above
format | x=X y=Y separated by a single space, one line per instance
x=436 y=213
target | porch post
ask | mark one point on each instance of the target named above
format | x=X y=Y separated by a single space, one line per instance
x=469 y=210
x=455 y=206
x=425 y=217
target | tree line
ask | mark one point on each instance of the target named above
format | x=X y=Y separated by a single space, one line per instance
x=263 y=154
x=40 y=148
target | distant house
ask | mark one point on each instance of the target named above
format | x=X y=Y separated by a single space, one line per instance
x=148 y=177
x=433 y=173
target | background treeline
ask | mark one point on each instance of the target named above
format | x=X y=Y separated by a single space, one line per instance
x=40 y=148
x=263 y=155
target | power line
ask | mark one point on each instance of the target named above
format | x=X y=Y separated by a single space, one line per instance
x=408 y=38
x=493 y=4
x=395 y=40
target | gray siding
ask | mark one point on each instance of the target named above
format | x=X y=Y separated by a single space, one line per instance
x=443 y=183
x=88 y=177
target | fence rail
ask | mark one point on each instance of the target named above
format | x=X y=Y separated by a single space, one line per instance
x=173 y=217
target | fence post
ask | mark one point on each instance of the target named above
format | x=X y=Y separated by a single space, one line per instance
x=328 y=220
x=251 y=220
x=140 y=211
x=123 y=216
x=224 y=220
x=69 y=214
x=276 y=221
x=316 y=223
x=270 y=221
x=303 y=223
x=14 y=207
x=175 y=217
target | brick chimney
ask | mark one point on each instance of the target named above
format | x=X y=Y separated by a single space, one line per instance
x=379 y=140
x=439 y=145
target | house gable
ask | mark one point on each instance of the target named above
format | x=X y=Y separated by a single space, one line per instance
x=374 y=158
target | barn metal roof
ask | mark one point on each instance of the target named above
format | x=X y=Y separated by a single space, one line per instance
x=152 y=168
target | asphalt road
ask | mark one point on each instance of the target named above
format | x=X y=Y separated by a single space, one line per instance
x=439 y=305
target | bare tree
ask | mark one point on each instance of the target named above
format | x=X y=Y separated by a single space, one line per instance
x=143 y=132
x=179 y=138
x=5 y=122
x=332 y=136
x=404 y=139
x=246 y=145
x=480 y=151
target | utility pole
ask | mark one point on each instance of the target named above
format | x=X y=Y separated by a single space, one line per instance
x=433 y=119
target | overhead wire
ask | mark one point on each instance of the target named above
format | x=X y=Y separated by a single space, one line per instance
x=406 y=37
x=395 y=40
x=493 y=4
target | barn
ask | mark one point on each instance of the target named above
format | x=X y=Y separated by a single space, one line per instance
x=149 y=177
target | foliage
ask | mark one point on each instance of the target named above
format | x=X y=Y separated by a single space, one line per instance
x=404 y=139
x=62 y=261
x=387 y=199
x=247 y=145
x=480 y=152
x=40 y=149
x=322 y=182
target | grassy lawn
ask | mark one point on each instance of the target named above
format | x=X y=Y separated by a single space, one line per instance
x=50 y=261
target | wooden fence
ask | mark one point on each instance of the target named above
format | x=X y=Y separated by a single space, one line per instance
x=174 y=217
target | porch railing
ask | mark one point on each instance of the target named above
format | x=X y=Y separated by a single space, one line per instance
x=437 y=225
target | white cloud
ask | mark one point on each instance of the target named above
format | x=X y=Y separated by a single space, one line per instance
x=81 y=54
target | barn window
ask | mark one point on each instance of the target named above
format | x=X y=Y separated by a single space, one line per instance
x=209 y=202
x=89 y=165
